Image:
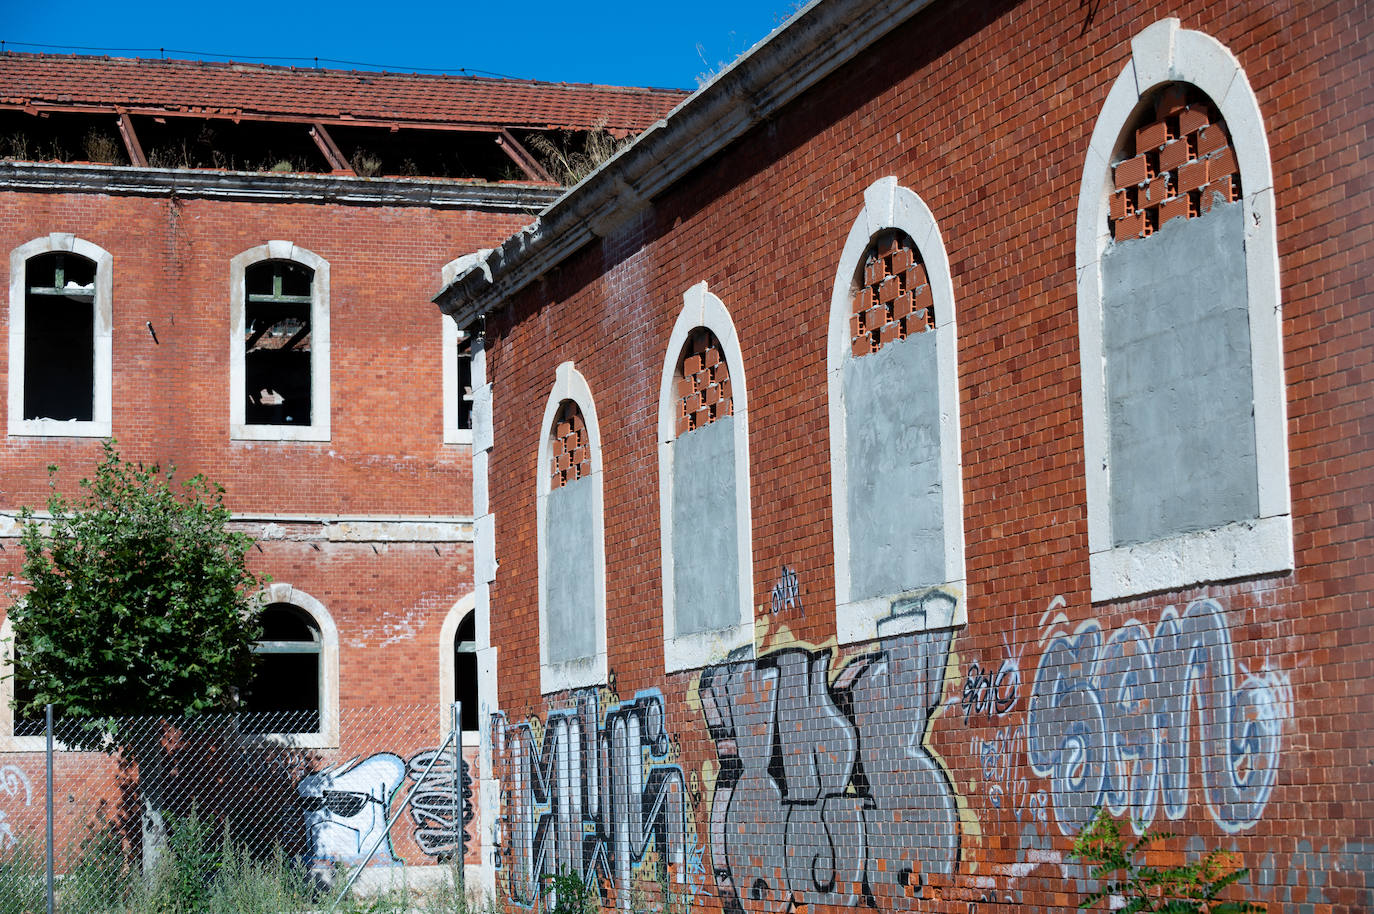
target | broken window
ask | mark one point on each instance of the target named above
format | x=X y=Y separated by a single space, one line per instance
x=464 y=367
x=284 y=693
x=277 y=343
x=465 y=670
x=59 y=337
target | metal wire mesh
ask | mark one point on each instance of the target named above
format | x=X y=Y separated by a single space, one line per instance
x=189 y=814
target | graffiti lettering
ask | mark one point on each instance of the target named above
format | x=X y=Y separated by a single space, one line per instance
x=787 y=592
x=991 y=694
x=1004 y=775
x=14 y=783
x=1110 y=720
x=441 y=808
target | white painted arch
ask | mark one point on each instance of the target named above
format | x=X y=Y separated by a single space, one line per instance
x=327 y=737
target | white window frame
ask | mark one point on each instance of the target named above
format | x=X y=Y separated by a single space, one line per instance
x=448 y=673
x=327 y=737
x=700 y=308
x=318 y=429
x=888 y=205
x=1160 y=54
x=451 y=336
x=8 y=741
x=569 y=384
x=99 y=425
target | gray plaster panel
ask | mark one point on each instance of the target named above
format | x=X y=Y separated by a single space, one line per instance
x=705 y=538
x=892 y=461
x=569 y=572
x=1180 y=405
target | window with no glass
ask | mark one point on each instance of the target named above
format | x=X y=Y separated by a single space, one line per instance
x=59 y=337
x=284 y=694
x=277 y=343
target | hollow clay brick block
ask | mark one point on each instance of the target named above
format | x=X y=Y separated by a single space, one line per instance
x=1152 y=136
x=901 y=307
x=1193 y=119
x=1174 y=155
x=1127 y=227
x=1210 y=139
x=1170 y=101
x=584 y=469
x=712 y=395
x=564 y=461
x=700 y=381
x=703 y=416
x=860 y=346
x=1222 y=162
x=561 y=430
x=875 y=317
x=692 y=365
x=889 y=333
x=725 y=408
x=922 y=298
x=683 y=425
x=712 y=356
x=1158 y=190
x=1132 y=172
x=916 y=276
x=873 y=272
x=579 y=455
x=1221 y=190
x=1174 y=208
x=1120 y=206
x=694 y=403
x=1192 y=176
x=889 y=289
x=559 y=446
x=684 y=386
x=720 y=373
x=575 y=421
x=902 y=260
x=724 y=387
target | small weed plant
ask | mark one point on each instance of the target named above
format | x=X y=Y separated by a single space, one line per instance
x=1189 y=888
x=568 y=893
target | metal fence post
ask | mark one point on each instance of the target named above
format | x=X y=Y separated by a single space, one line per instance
x=48 y=808
x=459 y=807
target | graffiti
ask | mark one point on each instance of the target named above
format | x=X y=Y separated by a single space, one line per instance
x=441 y=807
x=1007 y=785
x=991 y=694
x=787 y=592
x=1110 y=720
x=13 y=783
x=826 y=793
x=346 y=809
x=598 y=793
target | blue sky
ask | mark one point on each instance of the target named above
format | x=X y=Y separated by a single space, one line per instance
x=612 y=41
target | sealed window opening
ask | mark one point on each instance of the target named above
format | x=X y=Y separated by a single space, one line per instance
x=465 y=670
x=277 y=343
x=59 y=337
x=464 y=417
x=284 y=693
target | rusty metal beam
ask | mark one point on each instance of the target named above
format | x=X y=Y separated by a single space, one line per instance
x=521 y=156
x=131 y=144
x=329 y=149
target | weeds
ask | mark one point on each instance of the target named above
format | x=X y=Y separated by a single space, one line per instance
x=568 y=164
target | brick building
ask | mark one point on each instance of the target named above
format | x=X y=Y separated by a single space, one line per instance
x=229 y=268
x=953 y=418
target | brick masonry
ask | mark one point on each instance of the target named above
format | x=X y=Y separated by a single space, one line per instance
x=986 y=111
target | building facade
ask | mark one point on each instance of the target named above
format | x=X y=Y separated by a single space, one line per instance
x=950 y=421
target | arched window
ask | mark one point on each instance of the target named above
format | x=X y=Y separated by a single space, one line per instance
x=60 y=351
x=458 y=677
x=24 y=731
x=572 y=562
x=703 y=464
x=894 y=424
x=295 y=685
x=1181 y=347
x=279 y=346
x=458 y=351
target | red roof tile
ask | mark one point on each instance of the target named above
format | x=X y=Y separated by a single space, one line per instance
x=219 y=89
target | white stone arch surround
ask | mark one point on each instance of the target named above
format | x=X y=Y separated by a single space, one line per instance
x=448 y=676
x=1164 y=53
x=318 y=429
x=328 y=735
x=888 y=205
x=700 y=308
x=100 y=424
x=569 y=384
x=450 y=338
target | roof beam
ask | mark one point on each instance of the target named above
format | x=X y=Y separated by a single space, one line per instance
x=521 y=156
x=131 y=144
x=329 y=149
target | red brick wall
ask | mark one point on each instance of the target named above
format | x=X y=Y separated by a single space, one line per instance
x=985 y=110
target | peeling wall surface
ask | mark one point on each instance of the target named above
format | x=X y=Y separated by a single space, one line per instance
x=892 y=450
x=1179 y=402
x=705 y=538
x=569 y=581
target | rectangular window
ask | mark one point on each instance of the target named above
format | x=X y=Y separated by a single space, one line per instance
x=277 y=343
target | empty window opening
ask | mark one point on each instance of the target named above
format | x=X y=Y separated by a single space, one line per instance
x=410 y=152
x=703 y=382
x=277 y=349
x=1177 y=162
x=284 y=694
x=465 y=670
x=191 y=142
x=27 y=722
x=59 y=337
x=570 y=455
x=61 y=137
x=464 y=365
x=893 y=299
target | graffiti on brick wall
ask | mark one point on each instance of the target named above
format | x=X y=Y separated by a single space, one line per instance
x=596 y=789
x=441 y=808
x=827 y=792
x=15 y=789
x=1113 y=719
x=346 y=809
x=787 y=592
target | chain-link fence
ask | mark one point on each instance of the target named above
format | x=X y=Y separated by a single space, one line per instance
x=250 y=812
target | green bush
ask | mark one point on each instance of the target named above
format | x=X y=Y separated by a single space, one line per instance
x=22 y=880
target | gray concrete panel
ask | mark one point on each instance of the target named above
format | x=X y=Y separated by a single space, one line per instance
x=569 y=572
x=705 y=533
x=892 y=459
x=1180 y=406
